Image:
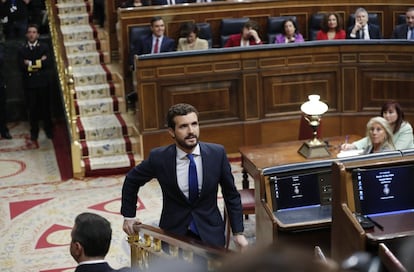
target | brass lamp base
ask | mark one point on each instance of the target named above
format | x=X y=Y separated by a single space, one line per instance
x=312 y=150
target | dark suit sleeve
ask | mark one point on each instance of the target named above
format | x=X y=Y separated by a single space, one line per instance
x=168 y=45
x=374 y=32
x=400 y=32
x=231 y=195
x=135 y=178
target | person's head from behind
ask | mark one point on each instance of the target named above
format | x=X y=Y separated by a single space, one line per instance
x=332 y=21
x=276 y=257
x=32 y=33
x=157 y=26
x=409 y=17
x=289 y=28
x=393 y=113
x=361 y=16
x=189 y=31
x=379 y=132
x=247 y=29
x=182 y=121
x=91 y=237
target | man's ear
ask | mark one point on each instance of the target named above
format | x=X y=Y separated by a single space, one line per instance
x=76 y=251
x=171 y=132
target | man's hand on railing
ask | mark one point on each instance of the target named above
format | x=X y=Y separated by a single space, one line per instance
x=240 y=241
x=129 y=225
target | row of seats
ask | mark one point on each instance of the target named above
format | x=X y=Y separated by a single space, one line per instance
x=231 y=26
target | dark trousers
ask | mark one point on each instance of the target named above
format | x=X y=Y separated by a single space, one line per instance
x=39 y=109
x=3 y=113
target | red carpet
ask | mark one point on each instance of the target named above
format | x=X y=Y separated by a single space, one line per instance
x=61 y=144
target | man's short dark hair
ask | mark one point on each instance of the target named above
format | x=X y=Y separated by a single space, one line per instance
x=154 y=19
x=94 y=233
x=33 y=26
x=179 y=110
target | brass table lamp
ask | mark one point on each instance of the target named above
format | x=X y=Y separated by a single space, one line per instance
x=313 y=110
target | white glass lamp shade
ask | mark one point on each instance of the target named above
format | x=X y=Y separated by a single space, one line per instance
x=314 y=106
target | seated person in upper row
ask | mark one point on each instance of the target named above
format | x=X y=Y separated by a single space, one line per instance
x=362 y=29
x=135 y=3
x=402 y=130
x=405 y=31
x=247 y=37
x=189 y=38
x=379 y=136
x=331 y=28
x=156 y=42
x=290 y=33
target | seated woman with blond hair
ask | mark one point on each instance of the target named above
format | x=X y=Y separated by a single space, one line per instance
x=401 y=129
x=379 y=136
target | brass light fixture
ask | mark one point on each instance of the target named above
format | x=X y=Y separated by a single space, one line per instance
x=313 y=110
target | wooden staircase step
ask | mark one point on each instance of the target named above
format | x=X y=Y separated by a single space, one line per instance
x=91 y=74
x=74 y=19
x=72 y=7
x=78 y=33
x=74 y=47
x=85 y=58
x=95 y=91
x=100 y=127
x=99 y=106
x=109 y=147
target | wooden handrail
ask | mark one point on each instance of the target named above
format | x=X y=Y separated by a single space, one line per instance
x=152 y=243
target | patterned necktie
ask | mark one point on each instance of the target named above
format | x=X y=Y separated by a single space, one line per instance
x=192 y=179
x=412 y=34
x=192 y=187
x=156 y=45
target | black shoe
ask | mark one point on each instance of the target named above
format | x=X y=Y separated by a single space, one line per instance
x=49 y=134
x=6 y=135
x=33 y=136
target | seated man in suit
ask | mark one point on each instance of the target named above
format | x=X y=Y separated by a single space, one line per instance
x=91 y=238
x=362 y=29
x=247 y=37
x=156 y=42
x=405 y=31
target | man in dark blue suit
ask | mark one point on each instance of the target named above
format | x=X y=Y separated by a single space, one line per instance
x=91 y=238
x=405 y=31
x=155 y=42
x=361 y=29
x=199 y=218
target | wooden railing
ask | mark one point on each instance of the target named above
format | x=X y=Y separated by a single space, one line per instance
x=152 y=244
x=65 y=81
x=249 y=96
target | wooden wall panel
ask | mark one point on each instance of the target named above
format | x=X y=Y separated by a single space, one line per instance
x=285 y=94
x=244 y=99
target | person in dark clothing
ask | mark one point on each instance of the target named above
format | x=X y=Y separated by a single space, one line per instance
x=16 y=18
x=4 y=131
x=99 y=11
x=91 y=239
x=34 y=60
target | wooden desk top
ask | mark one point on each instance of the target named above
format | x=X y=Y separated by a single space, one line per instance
x=394 y=226
x=256 y=158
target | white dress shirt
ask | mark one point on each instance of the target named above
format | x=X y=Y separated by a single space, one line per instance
x=182 y=169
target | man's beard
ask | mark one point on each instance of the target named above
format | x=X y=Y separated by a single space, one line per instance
x=183 y=144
